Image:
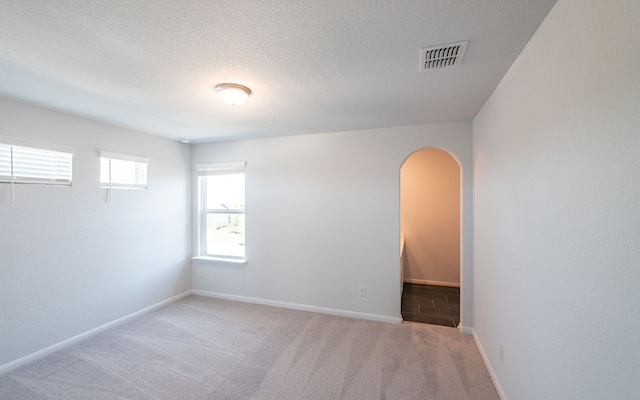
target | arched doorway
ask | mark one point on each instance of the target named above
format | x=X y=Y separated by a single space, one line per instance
x=430 y=195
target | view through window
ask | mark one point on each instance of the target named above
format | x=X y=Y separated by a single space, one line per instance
x=223 y=213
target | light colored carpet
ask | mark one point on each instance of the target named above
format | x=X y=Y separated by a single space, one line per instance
x=203 y=348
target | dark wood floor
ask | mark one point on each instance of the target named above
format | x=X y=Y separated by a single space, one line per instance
x=436 y=305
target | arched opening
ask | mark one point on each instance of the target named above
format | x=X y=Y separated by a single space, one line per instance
x=430 y=196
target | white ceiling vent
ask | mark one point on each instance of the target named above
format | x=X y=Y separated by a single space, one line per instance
x=447 y=55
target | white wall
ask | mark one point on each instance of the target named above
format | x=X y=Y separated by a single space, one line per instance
x=323 y=216
x=430 y=217
x=556 y=209
x=70 y=262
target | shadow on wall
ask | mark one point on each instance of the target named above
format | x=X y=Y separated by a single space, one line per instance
x=430 y=217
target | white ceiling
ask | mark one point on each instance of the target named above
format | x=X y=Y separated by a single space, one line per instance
x=313 y=65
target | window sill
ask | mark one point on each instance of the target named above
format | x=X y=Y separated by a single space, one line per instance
x=220 y=260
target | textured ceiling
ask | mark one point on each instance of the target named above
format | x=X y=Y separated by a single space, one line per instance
x=313 y=66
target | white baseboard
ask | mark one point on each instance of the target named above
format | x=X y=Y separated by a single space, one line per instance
x=45 y=352
x=494 y=377
x=301 y=307
x=465 y=330
x=432 y=283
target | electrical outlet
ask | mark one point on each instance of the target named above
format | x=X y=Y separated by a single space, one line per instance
x=200 y=272
x=501 y=353
x=362 y=291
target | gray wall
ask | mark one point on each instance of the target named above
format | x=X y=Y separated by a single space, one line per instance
x=323 y=217
x=557 y=223
x=70 y=262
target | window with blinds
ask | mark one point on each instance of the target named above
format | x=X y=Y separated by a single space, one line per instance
x=44 y=164
x=121 y=171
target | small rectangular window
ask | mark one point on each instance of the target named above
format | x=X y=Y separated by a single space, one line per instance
x=24 y=162
x=121 y=171
x=222 y=210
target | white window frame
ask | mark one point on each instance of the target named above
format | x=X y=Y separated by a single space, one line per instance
x=140 y=170
x=204 y=170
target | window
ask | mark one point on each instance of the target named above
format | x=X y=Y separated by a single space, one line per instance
x=121 y=171
x=222 y=210
x=25 y=162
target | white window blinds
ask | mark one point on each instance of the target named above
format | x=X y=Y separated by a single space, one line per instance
x=123 y=171
x=26 y=164
x=5 y=162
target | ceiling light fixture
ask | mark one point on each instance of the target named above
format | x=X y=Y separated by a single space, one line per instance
x=185 y=140
x=232 y=93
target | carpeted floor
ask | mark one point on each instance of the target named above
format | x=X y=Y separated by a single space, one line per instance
x=203 y=348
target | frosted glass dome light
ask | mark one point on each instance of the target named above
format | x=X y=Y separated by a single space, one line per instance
x=232 y=93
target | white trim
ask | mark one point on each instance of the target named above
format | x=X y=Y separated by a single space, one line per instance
x=123 y=186
x=492 y=373
x=432 y=283
x=464 y=329
x=220 y=260
x=201 y=216
x=35 y=144
x=229 y=168
x=301 y=307
x=124 y=157
x=204 y=171
x=239 y=165
x=65 y=343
